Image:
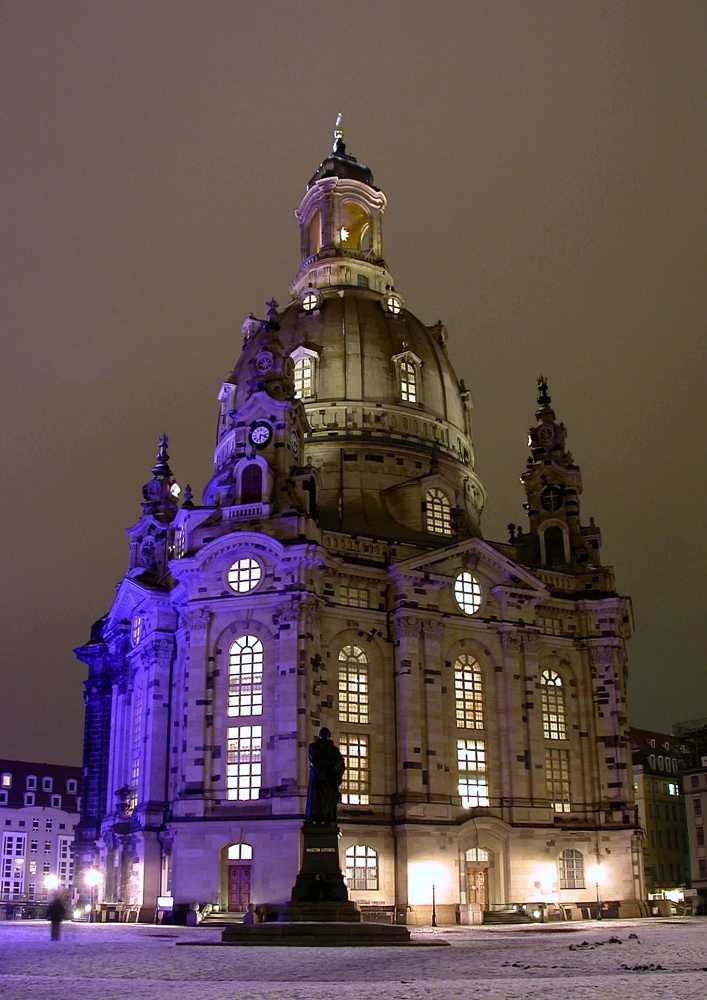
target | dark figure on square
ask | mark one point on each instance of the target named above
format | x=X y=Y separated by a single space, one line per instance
x=56 y=914
x=326 y=771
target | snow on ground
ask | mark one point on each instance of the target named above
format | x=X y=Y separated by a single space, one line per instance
x=106 y=962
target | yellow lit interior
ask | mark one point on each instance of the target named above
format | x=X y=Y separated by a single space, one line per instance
x=356 y=224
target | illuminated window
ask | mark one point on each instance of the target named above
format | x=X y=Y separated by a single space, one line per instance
x=408 y=381
x=353 y=685
x=557 y=779
x=673 y=789
x=438 y=512
x=245 y=676
x=65 y=862
x=180 y=543
x=136 y=634
x=355 y=787
x=361 y=868
x=136 y=746
x=244 y=575
x=355 y=597
x=244 y=762
x=12 y=866
x=304 y=377
x=477 y=855
x=468 y=692
x=553 y=706
x=240 y=852
x=310 y=301
x=467 y=593
x=6 y=781
x=393 y=305
x=471 y=763
x=571 y=866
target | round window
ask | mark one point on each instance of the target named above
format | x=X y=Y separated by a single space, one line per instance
x=245 y=575
x=310 y=301
x=392 y=304
x=467 y=593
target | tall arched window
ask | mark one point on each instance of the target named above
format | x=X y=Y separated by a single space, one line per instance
x=553 y=706
x=252 y=483
x=361 y=868
x=136 y=744
x=245 y=676
x=438 y=512
x=468 y=693
x=408 y=381
x=353 y=685
x=554 y=546
x=571 y=865
x=304 y=377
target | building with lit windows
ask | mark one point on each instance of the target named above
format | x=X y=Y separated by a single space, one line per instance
x=334 y=573
x=693 y=734
x=39 y=811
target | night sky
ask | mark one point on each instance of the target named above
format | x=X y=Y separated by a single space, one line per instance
x=545 y=169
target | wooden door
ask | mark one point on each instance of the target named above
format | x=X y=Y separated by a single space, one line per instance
x=477 y=878
x=238 y=887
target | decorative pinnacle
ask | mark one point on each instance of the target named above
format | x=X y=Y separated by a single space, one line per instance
x=338 y=132
x=544 y=398
x=188 y=500
x=161 y=469
x=273 y=316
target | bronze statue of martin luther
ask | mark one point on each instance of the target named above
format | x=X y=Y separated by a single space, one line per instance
x=326 y=772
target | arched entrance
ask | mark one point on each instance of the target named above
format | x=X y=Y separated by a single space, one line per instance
x=239 y=863
x=477 y=863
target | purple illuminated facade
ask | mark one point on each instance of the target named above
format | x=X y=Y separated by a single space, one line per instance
x=334 y=573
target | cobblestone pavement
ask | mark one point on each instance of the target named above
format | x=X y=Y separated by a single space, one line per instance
x=667 y=960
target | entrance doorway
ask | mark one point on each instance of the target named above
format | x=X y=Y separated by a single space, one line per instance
x=477 y=877
x=239 y=870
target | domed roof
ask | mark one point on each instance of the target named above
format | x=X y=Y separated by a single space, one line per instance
x=339 y=163
x=357 y=342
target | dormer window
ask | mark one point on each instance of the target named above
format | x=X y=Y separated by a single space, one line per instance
x=305 y=372
x=408 y=382
x=438 y=512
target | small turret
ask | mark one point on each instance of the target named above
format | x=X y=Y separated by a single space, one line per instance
x=161 y=492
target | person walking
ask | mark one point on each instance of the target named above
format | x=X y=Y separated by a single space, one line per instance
x=56 y=912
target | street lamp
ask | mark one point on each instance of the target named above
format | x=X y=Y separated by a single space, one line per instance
x=434 y=906
x=51 y=883
x=596 y=875
x=93 y=879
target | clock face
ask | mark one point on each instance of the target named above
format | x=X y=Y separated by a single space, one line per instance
x=263 y=362
x=260 y=434
x=294 y=444
x=551 y=498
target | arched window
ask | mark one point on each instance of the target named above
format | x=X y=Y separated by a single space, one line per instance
x=468 y=693
x=136 y=747
x=571 y=865
x=477 y=855
x=553 y=706
x=353 y=685
x=314 y=233
x=245 y=676
x=361 y=868
x=304 y=377
x=252 y=483
x=554 y=546
x=438 y=512
x=240 y=852
x=408 y=381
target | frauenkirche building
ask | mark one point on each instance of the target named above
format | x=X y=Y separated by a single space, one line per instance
x=335 y=574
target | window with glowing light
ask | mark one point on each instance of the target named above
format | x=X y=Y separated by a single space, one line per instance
x=557 y=779
x=12 y=865
x=361 y=868
x=552 y=699
x=353 y=685
x=240 y=852
x=407 y=371
x=65 y=861
x=468 y=693
x=136 y=634
x=571 y=869
x=393 y=305
x=244 y=762
x=438 y=512
x=355 y=597
x=304 y=378
x=467 y=593
x=244 y=575
x=180 y=543
x=6 y=780
x=471 y=764
x=245 y=676
x=477 y=855
x=310 y=301
x=136 y=747
x=355 y=790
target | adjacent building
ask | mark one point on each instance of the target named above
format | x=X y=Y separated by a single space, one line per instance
x=39 y=812
x=334 y=573
x=659 y=763
x=694 y=735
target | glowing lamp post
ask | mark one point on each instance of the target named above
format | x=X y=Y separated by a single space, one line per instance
x=596 y=875
x=51 y=883
x=93 y=879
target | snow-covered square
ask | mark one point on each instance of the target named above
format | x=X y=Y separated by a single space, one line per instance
x=666 y=960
